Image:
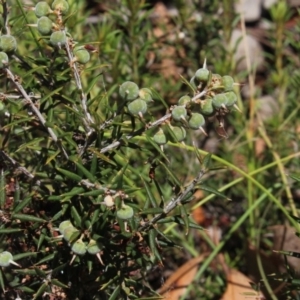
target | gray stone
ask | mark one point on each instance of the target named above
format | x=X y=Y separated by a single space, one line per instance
x=250 y=8
x=255 y=51
x=266 y=108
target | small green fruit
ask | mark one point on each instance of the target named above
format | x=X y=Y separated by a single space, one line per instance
x=8 y=43
x=216 y=82
x=206 y=107
x=82 y=56
x=5 y=259
x=202 y=75
x=179 y=113
x=231 y=99
x=184 y=100
x=160 y=137
x=196 y=121
x=93 y=247
x=70 y=233
x=137 y=107
x=3 y=60
x=79 y=247
x=2 y=106
x=58 y=38
x=42 y=9
x=219 y=100
x=227 y=83
x=125 y=213
x=129 y=91
x=179 y=133
x=145 y=94
x=61 y=5
x=63 y=225
x=44 y=25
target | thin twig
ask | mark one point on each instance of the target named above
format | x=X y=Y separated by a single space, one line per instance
x=6 y=28
x=148 y=126
x=19 y=86
x=174 y=202
x=17 y=166
x=88 y=119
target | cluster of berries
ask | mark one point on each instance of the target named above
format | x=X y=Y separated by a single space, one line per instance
x=49 y=23
x=79 y=247
x=137 y=99
x=213 y=95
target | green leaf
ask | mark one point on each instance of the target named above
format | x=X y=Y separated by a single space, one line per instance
x=47 y=258
x=206 y=162
x=24 y=255
x=25 y=202
x=153 y=211
x=10 y=230
x=212 y=190
x=115 y=294
x=177 y=219
x=185 y=218
x=150 y=194
x=152 y=244
x=85 y=172
x=172 y=175
x=2 y=189
x=295 y=177
x=76 y=216
x=40 y=291
x=27 y=218
x=69 y=174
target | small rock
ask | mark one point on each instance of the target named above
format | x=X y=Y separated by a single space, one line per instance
x=250 y=8
x=267 y=107
x=268 y=3
x=254 y=49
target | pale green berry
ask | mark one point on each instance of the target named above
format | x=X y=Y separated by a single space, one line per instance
x=3 y=60
x=58 y=38
x=196 y=121
x=70 y=233
x=42 y=9
x=206 y=107
x=63 y=225
x=179 y=133
x=216 y=82
x=125 y=213
x=137 y=107
x=184 y=100
x=179 y=113
x=8 y=43
x=79 y=247
x=202 y=75
x=2 y=106
x=219 y=100
x=60 y=5
x=231 y=98
x=5 y=259
x=160 y=138
x=82 y=56
x=145 y=94
x=44 y=25
x=93 y=247
x=129 y=91
x=227 y=83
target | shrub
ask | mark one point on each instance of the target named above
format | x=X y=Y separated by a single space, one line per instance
x=81 y=212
